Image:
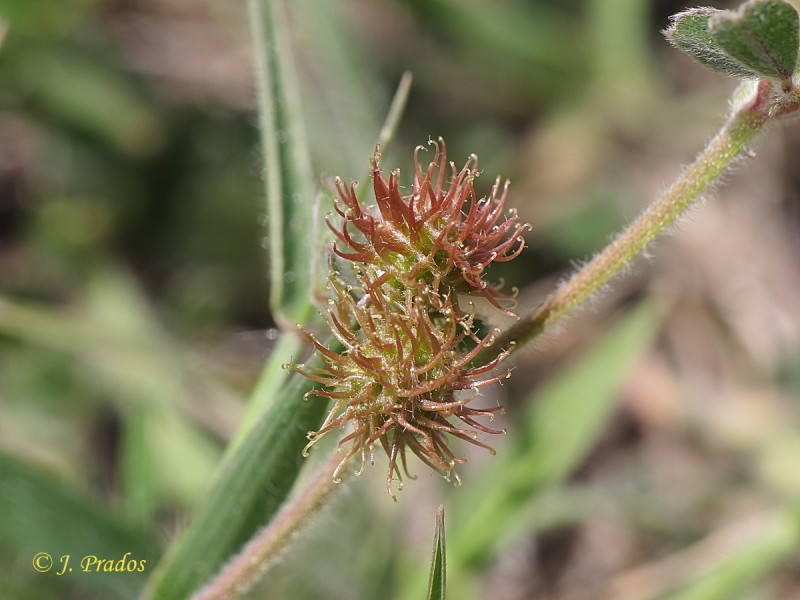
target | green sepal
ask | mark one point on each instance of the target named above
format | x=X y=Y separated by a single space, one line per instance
x=689 y=31
x=762 y=35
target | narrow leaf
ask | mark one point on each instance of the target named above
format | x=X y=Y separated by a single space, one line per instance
x=288 y=181
x=251 y=485
x=689 y=31
x=762 y=35
x=438 y=576
x=261 y=466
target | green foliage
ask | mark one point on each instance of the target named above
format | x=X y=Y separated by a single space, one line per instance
x=127 y=138
x=758 y=550
x=566 y=417
x=287 y=173
x=249 y=488
x=689 y=31
x=762 y=35
x=760 y=39
x=41 y=515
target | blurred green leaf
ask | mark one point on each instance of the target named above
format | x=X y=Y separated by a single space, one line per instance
x=521 y=35
x=83 y=93
x=39 y=515
x=438 y=577
x=689 y=31
x=345 y=110
x=137 y=459
x=34 y=589
x=743 y=558
x=41 y=16
x=620 y=53
x=287 y=172
x=762 y=35
x=143 y=373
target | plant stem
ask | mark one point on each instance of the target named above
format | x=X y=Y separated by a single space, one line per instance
x=245 y=569
x=740 y=129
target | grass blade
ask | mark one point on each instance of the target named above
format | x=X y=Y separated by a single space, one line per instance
x=287 y=169
x=438 y=576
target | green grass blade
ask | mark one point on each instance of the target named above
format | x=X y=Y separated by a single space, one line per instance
x=250 y=487
x=39 y=515
x=287 y=170
x=395 y=114
x=438 y=576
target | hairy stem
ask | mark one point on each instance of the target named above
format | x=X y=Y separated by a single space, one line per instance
x=740 y=129
x=245 y=569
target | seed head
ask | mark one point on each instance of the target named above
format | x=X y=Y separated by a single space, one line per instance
x=439 y=237
x=404 y=379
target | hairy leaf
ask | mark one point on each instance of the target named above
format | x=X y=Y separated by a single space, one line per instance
x=762 y=35
x=689 y=31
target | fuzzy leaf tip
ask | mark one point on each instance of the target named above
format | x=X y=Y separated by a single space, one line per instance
x=689 y=31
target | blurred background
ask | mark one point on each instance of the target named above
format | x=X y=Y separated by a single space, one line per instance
x=134 y=315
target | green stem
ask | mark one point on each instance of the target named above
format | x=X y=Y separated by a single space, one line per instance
x=245 y=569
x=742 y=127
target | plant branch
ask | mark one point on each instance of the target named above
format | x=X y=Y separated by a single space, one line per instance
x=744 y=124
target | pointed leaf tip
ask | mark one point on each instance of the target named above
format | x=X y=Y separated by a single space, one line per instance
x=437 y=581
x=761 y=34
